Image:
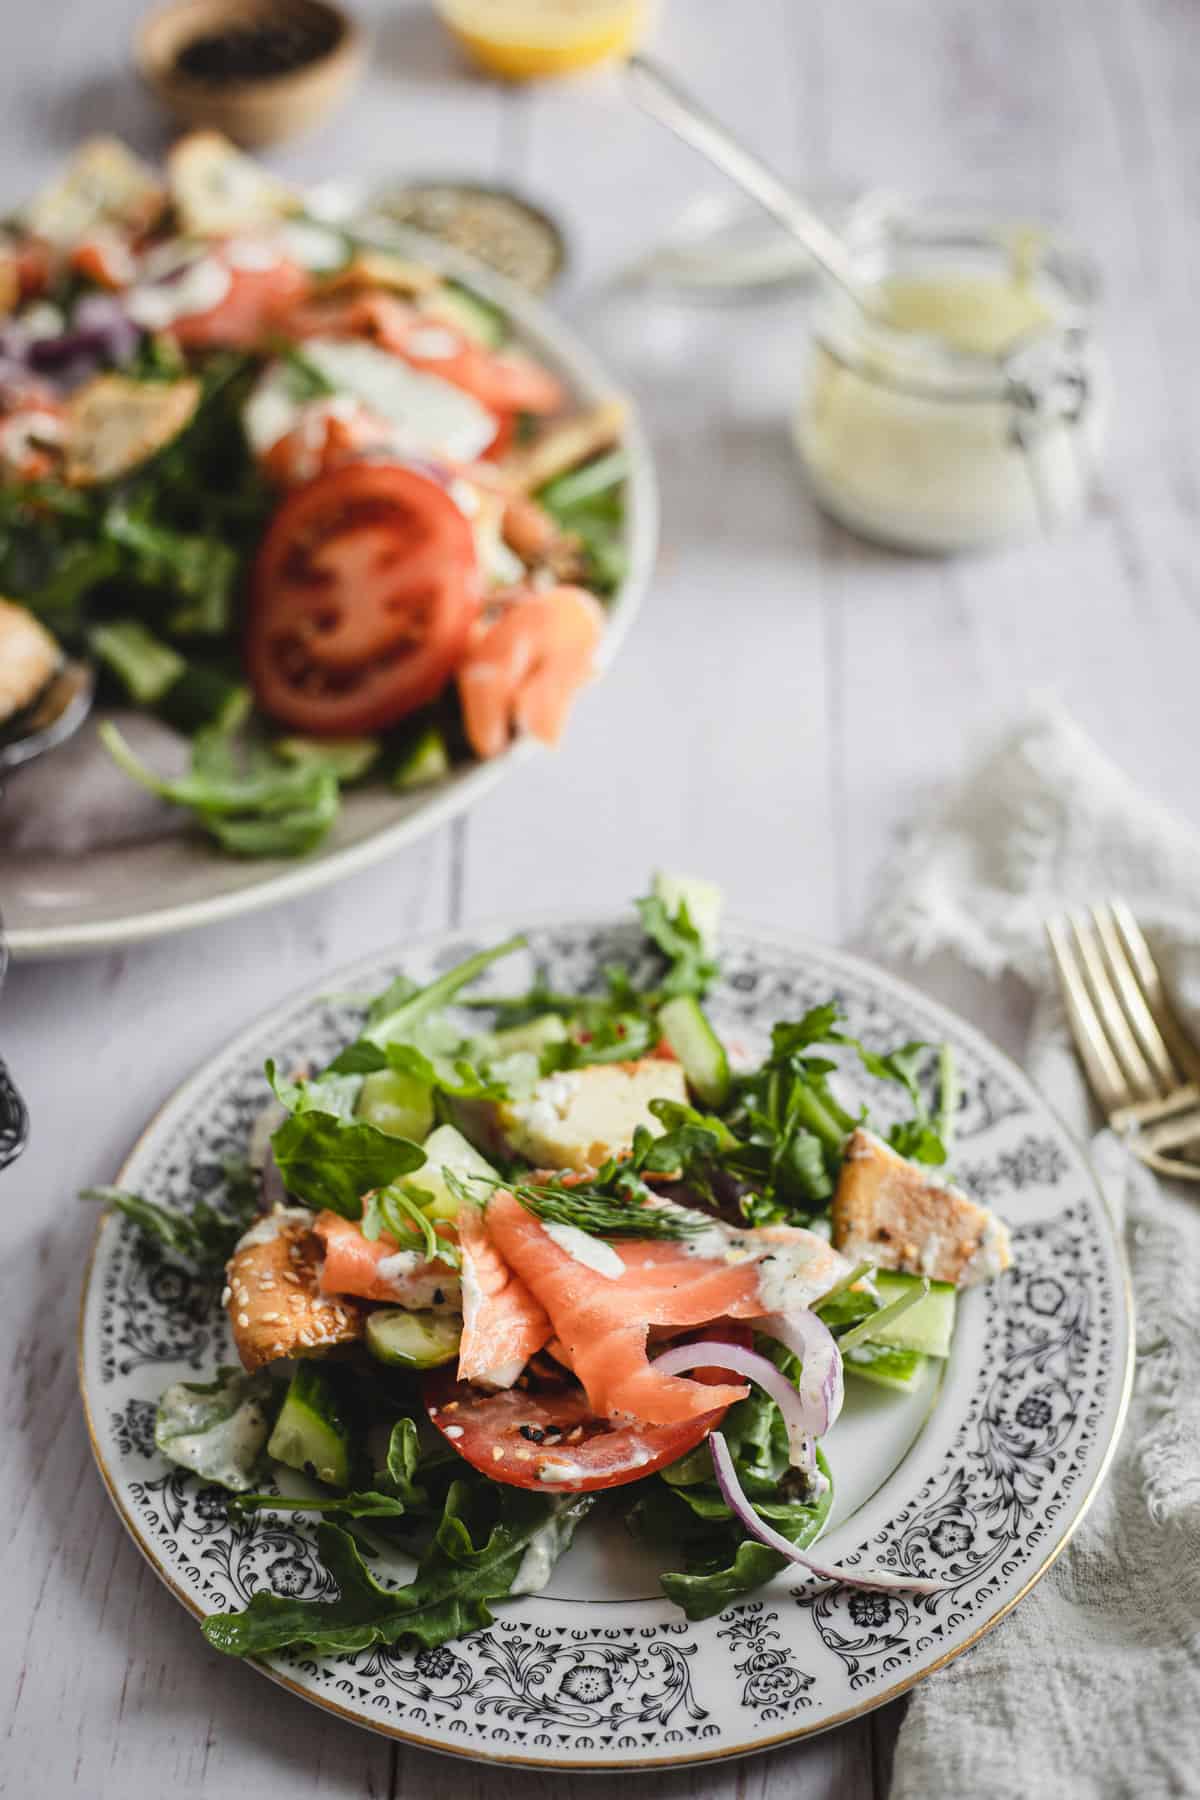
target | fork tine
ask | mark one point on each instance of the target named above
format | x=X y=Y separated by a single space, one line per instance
x=1138 y=950
x=1103 y=1071
x=1121 y=1040
x=1133 y=999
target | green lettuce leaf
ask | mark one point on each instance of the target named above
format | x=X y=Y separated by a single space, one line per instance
x=218 y=1429
x=473 y=1560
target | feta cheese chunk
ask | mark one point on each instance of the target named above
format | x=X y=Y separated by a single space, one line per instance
x=580 y=1117
x=892 y=1211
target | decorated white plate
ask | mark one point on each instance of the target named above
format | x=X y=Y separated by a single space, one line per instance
x=82 y=895
x=977 y=1480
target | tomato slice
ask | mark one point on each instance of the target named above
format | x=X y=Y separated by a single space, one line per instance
x=253 y=306
x=362 y=595
x=546 y=1436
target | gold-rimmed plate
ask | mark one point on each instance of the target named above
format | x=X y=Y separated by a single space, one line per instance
x=977 y=1478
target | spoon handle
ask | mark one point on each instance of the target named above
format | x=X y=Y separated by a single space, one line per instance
x=659 y=94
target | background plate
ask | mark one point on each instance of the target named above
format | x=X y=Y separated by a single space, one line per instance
x=979 y=1480
x=65 y=904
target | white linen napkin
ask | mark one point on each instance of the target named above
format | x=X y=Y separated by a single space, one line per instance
x=1089 y=1688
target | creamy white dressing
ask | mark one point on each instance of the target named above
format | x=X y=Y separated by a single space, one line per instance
x=191 y=1431
x=203 y=285
x=432 y=342
x=583 y=1248
x=556 y=1469
x=268 y=1228
x=314 y=247
x=415 y=1282
x=793 y=1271
x=430 y=417
x=254 y=254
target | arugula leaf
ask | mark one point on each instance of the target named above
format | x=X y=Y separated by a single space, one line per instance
x=690 y=967
x=473 y=1560
x=328 y=1161
x=722 y=1563
x=395 y=1013
x=204 y=1236
x=218 y=1429
x=266 y=808
x=364 y=1505
x=197 y=568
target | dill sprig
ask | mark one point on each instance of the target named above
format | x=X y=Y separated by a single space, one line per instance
x=605 y=1215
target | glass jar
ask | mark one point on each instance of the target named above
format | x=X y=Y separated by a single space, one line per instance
x=967 y=407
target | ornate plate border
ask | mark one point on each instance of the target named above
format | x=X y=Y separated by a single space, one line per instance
x=1012 y=1454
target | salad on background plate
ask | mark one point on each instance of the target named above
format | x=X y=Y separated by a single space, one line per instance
x=304 y=499
x=504 y=1265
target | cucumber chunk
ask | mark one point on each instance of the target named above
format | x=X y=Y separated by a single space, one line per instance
x=311 y=1433
x=349 y=758
x=698 y=1048
x=460 y=305
x=414 y=1340
x=447 y=1148
x=703 y=899
x=927 y=1327
x=535 y=1035
x=885 y=1365
x=424 y=760
x=398 y=1104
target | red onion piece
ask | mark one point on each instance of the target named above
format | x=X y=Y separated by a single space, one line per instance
x=880 y=1580
x=820 y=1386
x=713 y=1354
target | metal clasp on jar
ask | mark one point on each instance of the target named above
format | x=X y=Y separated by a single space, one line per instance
x=1049 y=387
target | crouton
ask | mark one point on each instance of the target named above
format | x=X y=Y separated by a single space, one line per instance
x=29 y=657
x=217 y=191
x=115 y=423
x=896 y=1214
x=565 y=445
x=383 y=269
x=103 y=184
x=274 y=1303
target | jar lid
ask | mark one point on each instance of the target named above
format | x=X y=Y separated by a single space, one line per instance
x=500 y=229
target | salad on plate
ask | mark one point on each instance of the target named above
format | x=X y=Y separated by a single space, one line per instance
x=302 y=497
x=505 y=1262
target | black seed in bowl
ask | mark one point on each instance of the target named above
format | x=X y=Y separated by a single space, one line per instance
x=258 y=51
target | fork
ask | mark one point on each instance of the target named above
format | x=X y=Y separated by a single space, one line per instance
x=1142 y=1068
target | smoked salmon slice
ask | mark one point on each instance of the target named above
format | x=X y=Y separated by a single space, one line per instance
x=523 y=671
x=602 y=1321
x=374 y=1269
x=503 y=1325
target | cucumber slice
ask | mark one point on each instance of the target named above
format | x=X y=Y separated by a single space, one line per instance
x=698 y=1048
x=703 y=900
x=885 y=1365
x=398 y=1104
x=462 y=306
x=447 y=1148
x=927 y=1327
x=311 y=1433
x=414 y=1340
x=426 y=759
x=349 y=758
x=535 y=1035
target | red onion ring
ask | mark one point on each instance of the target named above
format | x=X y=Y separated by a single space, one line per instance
x=880 y=1580
x=820 y=1386
x=713 y=1354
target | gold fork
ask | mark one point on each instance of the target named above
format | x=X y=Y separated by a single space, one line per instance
x=1143 y=1069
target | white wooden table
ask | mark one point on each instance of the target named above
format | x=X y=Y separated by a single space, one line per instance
x=775 y=715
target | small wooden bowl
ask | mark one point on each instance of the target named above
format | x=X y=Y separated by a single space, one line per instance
x=260 y=109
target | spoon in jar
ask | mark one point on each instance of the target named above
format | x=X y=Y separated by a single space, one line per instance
x=660 y=95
